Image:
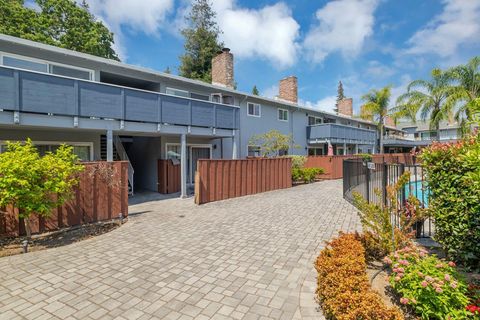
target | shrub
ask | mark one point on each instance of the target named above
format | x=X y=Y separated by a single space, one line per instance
x=298 y=162
x=432 y=287
x=35 y=184
x=306 y=175
x=366 y=157
x=453 y=176
x=343 y=286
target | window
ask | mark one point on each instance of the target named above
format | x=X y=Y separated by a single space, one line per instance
x=199 y=96
x=254 y=151
x=173 y=151
x=282 y=115
x=177 y=92
x=83 y=150
x=315 y=151
x=314 y=120
x=227 y=100
x=282 y=153
x=70 y=72
x=25 y=64
x=254 y=109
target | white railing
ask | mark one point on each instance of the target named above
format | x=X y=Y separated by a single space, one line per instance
x=124 y=156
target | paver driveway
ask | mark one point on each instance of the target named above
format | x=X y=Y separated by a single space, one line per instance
x=245 y=258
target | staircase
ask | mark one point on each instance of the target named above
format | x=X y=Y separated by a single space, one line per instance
x=119 y=154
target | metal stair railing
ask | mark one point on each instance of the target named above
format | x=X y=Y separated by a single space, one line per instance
x=124 y=156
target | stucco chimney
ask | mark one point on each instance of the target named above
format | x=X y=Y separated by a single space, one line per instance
x=345 y=107
x=288 y=89
x=222 y=69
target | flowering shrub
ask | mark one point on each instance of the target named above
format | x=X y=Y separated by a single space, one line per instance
x=432 y=287
x=453 y=176
x=474 y=295
x=343 y=286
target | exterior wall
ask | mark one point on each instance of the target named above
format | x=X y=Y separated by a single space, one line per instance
x=54 y=136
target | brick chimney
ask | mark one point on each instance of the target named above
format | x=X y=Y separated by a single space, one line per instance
x=222 y=69
x=345 y=107
x=288 y=89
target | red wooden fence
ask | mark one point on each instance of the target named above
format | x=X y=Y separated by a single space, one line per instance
x=101 y=195
x=333 y=165
x=168 y=177
x=223 y=179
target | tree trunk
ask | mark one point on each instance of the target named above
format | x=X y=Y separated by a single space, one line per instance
x=381 y=136
x=26 y=222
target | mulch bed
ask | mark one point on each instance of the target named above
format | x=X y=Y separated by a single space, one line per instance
x=13 y=246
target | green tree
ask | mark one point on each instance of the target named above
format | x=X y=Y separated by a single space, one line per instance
x=202 y=42
x=35 y=184
x=427 y=97
x=376 y=109
x=340 y=95
x=62 y=23
x=255 y=91
x=272 y=143
x=463 y=95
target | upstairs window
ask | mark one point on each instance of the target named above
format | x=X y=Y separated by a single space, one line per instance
x=254 y=109
x=199 y=96
x=25 y=64
x=312 y=120
x=282 y=115
x=254 y=151
x=70 y=72
x=177 y=92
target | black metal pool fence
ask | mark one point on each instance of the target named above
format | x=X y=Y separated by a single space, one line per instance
x=370 y=180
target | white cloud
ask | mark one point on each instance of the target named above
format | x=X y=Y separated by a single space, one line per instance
x=269 y=32
x=378 y=70
x=142 y=16
x=342 y=26
x=270 y=92
x=324 y=104
x=458 y=24
x=400 y=89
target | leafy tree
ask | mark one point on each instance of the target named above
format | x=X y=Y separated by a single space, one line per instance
x=376 y=109
x=340 y=95
x=35 y=184
x=201 y=42
x=272 y=143
x=428 y=98
x=465 y=92
x=255 y=91
x=62 y=23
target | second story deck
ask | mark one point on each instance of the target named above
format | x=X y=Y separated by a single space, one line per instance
x=37 y=93
x=338 y=133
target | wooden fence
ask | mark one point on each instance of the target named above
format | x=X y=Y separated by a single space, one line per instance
x=101 y=195
x=168 y=177
x=333 y=165
x=223 y=179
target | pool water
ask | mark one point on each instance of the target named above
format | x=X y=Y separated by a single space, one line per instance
x=417 y=189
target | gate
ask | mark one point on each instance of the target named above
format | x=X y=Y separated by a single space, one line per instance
x=370 y=180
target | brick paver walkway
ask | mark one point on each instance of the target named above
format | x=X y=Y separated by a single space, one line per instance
x=245 y=258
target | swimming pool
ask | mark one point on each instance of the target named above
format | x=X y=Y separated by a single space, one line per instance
x=419 y=190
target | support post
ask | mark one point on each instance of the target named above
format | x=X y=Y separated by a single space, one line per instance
x=234 y=146
x=183 y=165
x=356 y=149
x=109 y=145
x=344 y=149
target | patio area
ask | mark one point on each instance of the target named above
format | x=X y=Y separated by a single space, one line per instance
x=243 y=258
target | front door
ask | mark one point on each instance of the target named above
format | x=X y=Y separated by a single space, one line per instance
x=197 y=153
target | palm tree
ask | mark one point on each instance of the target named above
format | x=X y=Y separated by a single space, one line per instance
x=376 y=108
x=428 y=98
x=465 y=93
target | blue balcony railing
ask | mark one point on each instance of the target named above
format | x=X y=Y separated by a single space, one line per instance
x=338 y=133
x=33 y=92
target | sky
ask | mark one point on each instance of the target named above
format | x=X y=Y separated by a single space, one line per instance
x=364 y=43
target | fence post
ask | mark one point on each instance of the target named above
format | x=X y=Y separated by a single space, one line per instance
x=384 y=183
x=368 y=183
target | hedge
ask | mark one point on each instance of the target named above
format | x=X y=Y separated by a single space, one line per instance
x=343 y=288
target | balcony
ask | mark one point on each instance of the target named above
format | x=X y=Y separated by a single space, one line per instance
x=38 y=93
x=338 y=133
